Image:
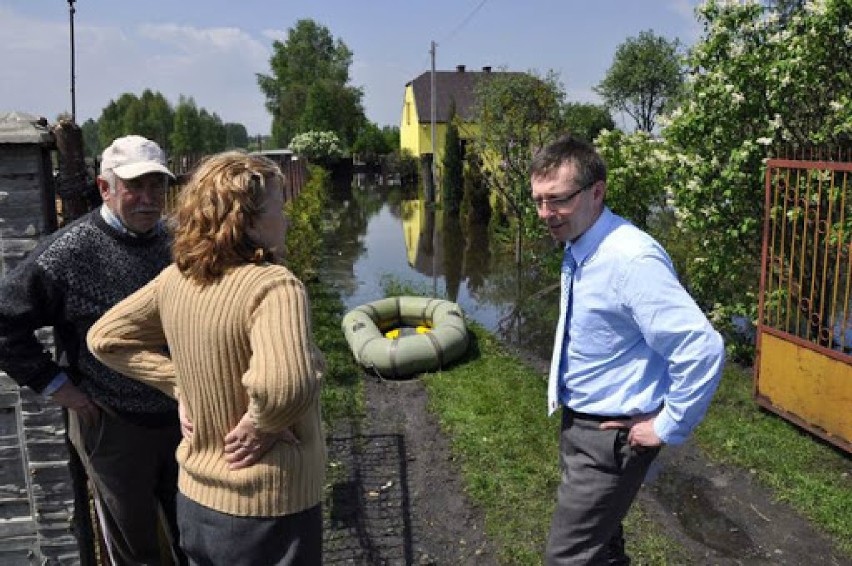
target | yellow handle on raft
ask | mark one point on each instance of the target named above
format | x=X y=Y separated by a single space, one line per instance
x=399 y=332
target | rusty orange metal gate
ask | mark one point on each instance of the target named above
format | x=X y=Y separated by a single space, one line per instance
x=804 y=336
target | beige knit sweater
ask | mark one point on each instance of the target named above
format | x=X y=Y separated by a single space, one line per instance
x=240 y=344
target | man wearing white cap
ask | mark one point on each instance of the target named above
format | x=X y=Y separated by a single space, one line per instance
x=124 y=431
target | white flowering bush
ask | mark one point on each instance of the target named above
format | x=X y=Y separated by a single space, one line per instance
x=317 y=146
x=757 y=80
x=637 y=173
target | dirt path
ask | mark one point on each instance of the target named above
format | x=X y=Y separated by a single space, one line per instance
x=397 y=499
x=724 y=517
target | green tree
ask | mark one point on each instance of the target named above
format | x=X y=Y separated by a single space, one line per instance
x=391 y=134
x=645 y=75
x=330 y=107
x=637 y=184
x=475 y=207
x=212 y=135
x=91 y=143
x=586 y=120
x=150 y=115
x=758 y=81
x=308 y=88
x=371 y=143
x=112 y=122
x=785 y=8
x=157 y=117
x=452 y=182
x=517 y=113
x=236 y=135
x=186 y=136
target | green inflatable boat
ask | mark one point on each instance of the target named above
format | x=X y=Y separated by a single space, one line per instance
x=440 y=337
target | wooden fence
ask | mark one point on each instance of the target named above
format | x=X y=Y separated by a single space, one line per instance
x=295 y=171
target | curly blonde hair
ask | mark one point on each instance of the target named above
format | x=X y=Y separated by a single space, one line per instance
x=215 y=210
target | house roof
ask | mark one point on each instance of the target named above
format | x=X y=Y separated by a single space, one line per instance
x=459 y=86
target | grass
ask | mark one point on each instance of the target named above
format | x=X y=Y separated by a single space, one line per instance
x=811 y=476
x=493 y=407
x=343 y=388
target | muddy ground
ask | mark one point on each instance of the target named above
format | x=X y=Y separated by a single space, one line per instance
x=397 y=499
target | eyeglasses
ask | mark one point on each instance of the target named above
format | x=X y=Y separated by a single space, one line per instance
x=560 y=202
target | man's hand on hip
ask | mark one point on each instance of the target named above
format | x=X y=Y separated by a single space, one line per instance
x=75 y=400
x=641 y=430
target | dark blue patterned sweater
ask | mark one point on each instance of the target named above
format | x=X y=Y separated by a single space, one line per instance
x=68 y=282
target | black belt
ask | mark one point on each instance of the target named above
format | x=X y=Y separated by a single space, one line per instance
x=596 y=418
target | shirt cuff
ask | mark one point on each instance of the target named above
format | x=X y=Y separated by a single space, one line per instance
x=668 y=430
x=54 y=385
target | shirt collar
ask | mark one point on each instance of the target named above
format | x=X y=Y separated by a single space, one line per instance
x=586 y=244
x=115 y=222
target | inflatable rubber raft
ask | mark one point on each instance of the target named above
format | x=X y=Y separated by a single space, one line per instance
x=441 y=337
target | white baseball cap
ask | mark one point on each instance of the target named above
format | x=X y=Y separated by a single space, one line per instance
x=133 y=156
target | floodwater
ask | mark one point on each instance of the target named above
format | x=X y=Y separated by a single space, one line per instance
x=381 y=235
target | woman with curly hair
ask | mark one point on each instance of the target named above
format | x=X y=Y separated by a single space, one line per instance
x=226 y=330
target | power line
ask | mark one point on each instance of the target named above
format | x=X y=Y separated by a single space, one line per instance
x=464 y=22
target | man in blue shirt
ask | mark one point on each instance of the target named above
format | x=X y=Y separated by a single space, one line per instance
x=635 y=361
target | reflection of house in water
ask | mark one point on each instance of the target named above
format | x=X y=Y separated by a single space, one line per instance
x=436 y=247
x=425 y=254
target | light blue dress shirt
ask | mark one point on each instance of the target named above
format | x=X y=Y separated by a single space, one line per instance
x=635 y=340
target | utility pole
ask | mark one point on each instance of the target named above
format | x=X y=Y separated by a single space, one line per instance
x=73 y=94
x=430 y=198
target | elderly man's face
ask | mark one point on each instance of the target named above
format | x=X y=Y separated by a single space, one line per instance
x=138 y=202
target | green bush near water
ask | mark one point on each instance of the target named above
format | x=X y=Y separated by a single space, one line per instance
x=342 y=395
x=304 y=234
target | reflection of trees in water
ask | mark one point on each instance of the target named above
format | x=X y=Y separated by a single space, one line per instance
x=532 y=300
x=477 y=255
x=453 y=255
x=447 y=247
x=530 y=323
x=345 y=221
x=397 y=196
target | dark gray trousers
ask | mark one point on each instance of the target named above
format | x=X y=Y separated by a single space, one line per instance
x=601 y=475
x=133 y=473
x=211 y=538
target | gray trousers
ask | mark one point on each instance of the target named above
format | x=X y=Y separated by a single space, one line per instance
x=212 y=538
x=133 y=473
x=601 y=475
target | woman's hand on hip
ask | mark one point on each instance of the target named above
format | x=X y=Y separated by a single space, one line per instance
x=245 y=444
x=186 y=428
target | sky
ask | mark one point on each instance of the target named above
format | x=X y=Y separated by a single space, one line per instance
x=212 y=50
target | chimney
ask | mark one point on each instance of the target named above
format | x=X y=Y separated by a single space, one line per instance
x=460 y=68
x=486 y=69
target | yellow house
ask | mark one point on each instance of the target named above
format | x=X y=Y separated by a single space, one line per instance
x=451 y=87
